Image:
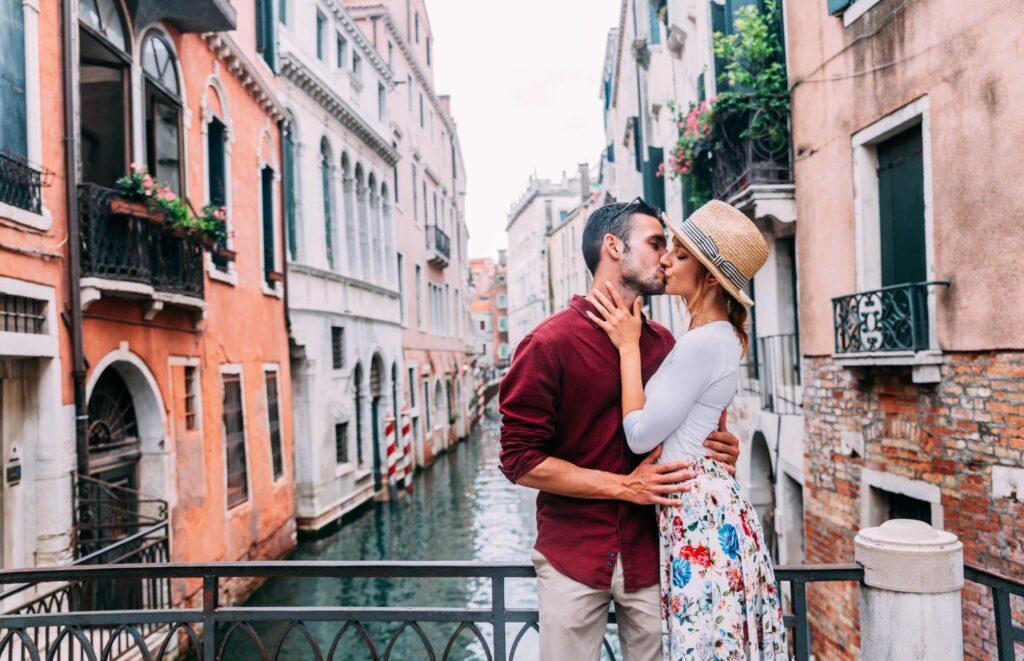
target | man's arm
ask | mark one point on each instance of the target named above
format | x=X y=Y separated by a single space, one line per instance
x=528 y=399
x=723 y=446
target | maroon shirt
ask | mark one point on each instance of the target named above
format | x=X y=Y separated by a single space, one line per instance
x=562 y=397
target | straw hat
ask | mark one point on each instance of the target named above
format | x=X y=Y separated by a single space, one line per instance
x=727 y=243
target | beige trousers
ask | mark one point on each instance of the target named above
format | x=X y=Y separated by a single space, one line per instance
x=573 y=616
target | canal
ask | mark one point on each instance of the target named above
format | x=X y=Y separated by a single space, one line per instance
x=461 y=508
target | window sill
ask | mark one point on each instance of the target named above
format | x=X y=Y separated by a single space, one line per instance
x=856 y=10
x=229 y=277
x=276 y=292
x=362 y=474
x=37 y=221
x=344 y=469
x=926 y=365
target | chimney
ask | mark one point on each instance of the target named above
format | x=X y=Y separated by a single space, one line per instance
x=584 y=182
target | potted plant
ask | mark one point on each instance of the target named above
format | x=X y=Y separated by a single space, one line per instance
x=214 y=225
x=136 y=190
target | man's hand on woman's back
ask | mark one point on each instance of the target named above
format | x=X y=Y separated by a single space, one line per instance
x=723 y=446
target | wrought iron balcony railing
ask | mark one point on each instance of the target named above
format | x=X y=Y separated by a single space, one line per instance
x=438 y=246
x=321 y=630
x=21 y=184
x=778 y=378
x=890 y=319
x=755 y=149
x=123 y=245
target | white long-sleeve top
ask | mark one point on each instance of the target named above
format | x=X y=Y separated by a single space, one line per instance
x=687 y=394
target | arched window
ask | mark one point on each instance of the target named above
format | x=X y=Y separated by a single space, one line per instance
x=362 y=204
x=348 y=204
x=104 y=82
x=389 y=233
x=375 y=227
x=163 y=111
x=326 y=182
x=290 y=183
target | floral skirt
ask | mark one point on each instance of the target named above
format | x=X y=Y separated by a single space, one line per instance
x=718 y=592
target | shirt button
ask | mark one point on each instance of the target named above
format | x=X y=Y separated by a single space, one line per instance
x=609 y=563
x=611 y=554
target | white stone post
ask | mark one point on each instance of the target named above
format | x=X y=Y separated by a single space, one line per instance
x=910 y=601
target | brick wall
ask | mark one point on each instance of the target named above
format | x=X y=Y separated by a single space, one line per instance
x=948 y=434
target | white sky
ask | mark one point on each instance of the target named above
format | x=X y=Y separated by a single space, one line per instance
x=524 y=78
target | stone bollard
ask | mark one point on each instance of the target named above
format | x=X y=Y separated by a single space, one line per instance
x=910 y=601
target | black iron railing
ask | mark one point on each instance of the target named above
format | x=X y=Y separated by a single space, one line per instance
x=438 y=240
x=884 y=320
x=21 y=184
x=105 y=513
x=748 y=374
x=1007 y=633
x=778 y=367
x=754 y=149
x=233 y=626
x=132 y=247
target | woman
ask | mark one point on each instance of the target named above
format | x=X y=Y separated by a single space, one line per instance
x=718 y=590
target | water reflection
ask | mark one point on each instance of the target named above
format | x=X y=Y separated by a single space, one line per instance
x=461 y=508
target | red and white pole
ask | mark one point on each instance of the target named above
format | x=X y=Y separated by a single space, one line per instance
x=407 y=450
x=392 y=454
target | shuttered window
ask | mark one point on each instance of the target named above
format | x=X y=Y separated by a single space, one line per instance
x=234 y=440
x=274 y=423
x=13 y=122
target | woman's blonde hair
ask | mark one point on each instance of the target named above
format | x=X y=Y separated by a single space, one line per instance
x=735 y=310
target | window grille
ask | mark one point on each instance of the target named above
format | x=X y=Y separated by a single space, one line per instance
x=234 y=440
x=20 y=314
x=274 y=424
x=337 y=347
x=341 y=442
x=190 y=397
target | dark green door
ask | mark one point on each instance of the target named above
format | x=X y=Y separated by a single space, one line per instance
x=901 y=208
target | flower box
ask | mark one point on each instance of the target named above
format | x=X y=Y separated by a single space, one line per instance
x=123 y=207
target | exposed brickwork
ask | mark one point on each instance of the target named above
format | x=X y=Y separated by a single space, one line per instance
x=948 y=434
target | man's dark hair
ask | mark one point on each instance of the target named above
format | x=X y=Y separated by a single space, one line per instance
x=614 y=219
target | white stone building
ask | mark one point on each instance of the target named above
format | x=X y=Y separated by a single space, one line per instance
x=343 y=292
x=544 y=205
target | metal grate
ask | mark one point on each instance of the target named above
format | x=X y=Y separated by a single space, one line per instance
x=19 y=314
x=337 y=347
x=274 y=424
x=21 y=184
x=341 y=442
x=190 y=397
x=234 y=440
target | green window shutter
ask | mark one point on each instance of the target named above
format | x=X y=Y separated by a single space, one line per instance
x=13 y=121
x=654 y=186
x=901 y=208
x=837 y=6
x=637 y=153
x=653 y=24
x=702 y=92
x=719 y=25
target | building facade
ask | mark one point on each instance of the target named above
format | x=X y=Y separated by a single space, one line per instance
x=912 y=362
x=429 y=182
x=566 y=269
x=482 y=273
x=544 y=204
x=343 y=285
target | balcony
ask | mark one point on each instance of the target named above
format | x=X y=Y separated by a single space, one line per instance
x=778 y=374
x=753 y=164
x=21 y=184
x=438 y=247
x=887 y=326
x=127 y=253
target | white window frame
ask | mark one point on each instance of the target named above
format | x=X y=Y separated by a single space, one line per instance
x=856 y=10
x=276 y=369
x=230 y=276
x=222 y=371
x=872 y=510
x=867 y=230
x=278 y=289
x=189 y=361
x=343 y=468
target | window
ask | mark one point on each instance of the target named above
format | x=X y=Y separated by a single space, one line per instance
x=267 y=216
x=342 y=49
x=422 y=124
x=901 y=208
x=341 y=442
x=401 y=287
x=337 y=347
x=321 y=25
x=326 y=183
x=502 y=301
x=503 y=324
x=190 y=397
x=357 y=67
x=382 y=102
x=14 y=118
x=410 y=89
x=653 y=23
x=431 y=126
x=265 y=35
x=104 y=122
x=884 y=496
x=274 y=423
x=503 y=351
x=391 y=54
x=415 y=207
x=412 y=387
x=416 y=22
x=289 y=190
x=426 y=402
x=447 y=309
x=419 y=296
x=428 y=51
x=282 y=11
x=234 y=440
x=216 y=171
x=163 y=112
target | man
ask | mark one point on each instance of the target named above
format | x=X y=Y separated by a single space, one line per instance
x=597 y=539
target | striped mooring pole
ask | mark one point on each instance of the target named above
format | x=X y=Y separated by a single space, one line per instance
x=405 y=472
x=392 y=454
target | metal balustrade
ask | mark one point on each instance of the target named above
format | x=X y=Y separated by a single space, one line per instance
x=1007 y=633
x=135 y=248
x=890 y=319
x=234 y=625
x=439 y=245
x=754 y=149
x=21 y=184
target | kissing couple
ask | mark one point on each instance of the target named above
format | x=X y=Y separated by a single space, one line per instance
x=621 y=429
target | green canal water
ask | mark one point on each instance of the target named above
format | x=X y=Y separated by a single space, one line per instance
x=461 y=508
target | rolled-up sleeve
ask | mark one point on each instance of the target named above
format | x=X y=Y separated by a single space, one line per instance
x=528 y=401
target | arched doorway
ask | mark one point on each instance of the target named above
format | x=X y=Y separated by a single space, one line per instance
x=762 y=489
x=376 y=415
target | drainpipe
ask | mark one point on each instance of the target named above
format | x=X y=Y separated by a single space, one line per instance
x=284 y=223
x=71 y=178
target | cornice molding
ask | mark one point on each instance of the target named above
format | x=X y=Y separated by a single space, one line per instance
x=235 y=62
x=302 y=77
x=357 y=35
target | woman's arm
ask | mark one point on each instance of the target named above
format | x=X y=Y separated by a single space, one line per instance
x=623 y=326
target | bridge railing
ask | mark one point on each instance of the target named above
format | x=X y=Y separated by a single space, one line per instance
x=74 y=633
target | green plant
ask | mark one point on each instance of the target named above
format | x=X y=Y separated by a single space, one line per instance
x=137 y=185
x=213 y=222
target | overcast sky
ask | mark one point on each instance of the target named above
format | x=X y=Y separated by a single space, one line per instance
x=524 y=79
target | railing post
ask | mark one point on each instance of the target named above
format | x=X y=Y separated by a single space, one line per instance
x=910 y=601
x=210 y=598
x=498 y=616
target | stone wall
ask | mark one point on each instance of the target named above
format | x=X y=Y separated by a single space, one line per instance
x=947 y=436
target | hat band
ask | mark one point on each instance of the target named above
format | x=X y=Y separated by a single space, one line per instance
x=710 y=250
